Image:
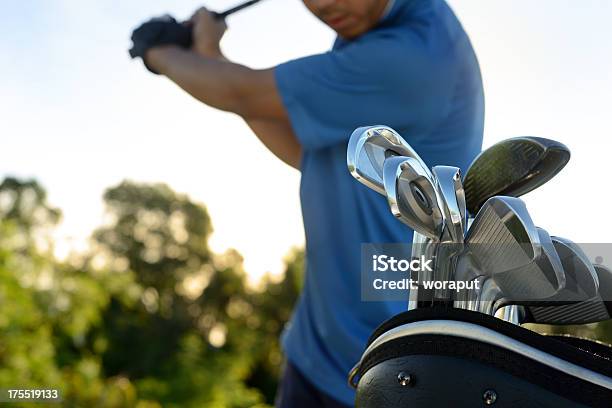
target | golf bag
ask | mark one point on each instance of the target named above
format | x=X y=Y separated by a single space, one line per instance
x=438 y=357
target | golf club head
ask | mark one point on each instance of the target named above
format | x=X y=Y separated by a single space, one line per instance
x=582 y=282
x=412 y=195
x=503 y=237
x=594 y=310
x=451 y=202
x=513 y=167
x=450 y=190
x=369 y=147
x=538 y=283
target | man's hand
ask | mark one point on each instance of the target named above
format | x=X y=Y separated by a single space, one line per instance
x=157 y=32
x=207 y=33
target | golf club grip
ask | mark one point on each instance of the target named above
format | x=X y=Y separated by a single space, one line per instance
x=221 y=16
x=224 y=14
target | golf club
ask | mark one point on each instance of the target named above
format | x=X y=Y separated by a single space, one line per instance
x=431 y=208
x=582 y=281
x=412 y=196
x=503 y=237
x=452 y=202
x=582 y=284
x=513 y=167
x=594 y=310
x=504 y=250
x=450 y=190
x=415 y=201
x=538 y=283
x=369 y=147
x=224 y=14
x=505 y=166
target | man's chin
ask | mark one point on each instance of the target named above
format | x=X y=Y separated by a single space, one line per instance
x=349 y=34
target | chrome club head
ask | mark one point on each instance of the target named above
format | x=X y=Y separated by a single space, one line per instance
x=539 y=281
x=451 y=201
x=513 y=167
x=368 y=149
x=412 y=196
x=450 y=190
x=501 y=240
x=503 y=237
x=535 y=283
x=582 y=282
x=596 y=309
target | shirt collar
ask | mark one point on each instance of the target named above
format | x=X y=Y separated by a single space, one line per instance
x=388 y=8
x=395 y=8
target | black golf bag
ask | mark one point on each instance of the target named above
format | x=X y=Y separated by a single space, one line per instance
x=438 y=357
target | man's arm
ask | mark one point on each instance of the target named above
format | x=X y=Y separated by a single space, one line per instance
x=206 y=75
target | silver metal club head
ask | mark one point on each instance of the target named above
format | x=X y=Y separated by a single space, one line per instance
x=450 y=190
x=582 y=282
x=596 y=309
x=537 y=282
x=412 y=197
x=368 y=149
x=503 y=237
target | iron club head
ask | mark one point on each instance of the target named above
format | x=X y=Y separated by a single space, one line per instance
x=369 y=147
x=596 y=309
x=450 y=190
x=503 y=237
x=412 y=196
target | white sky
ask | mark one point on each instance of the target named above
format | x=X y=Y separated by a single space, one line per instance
x=80 y=116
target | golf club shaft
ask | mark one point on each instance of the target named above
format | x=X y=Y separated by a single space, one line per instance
x=224 y=14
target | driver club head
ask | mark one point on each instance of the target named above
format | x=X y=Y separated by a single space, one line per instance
x=369 y=147
x=513 y=167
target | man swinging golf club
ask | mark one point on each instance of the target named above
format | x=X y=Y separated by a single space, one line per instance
x=404 y=63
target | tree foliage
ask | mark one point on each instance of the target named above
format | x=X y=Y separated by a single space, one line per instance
x=149 y=316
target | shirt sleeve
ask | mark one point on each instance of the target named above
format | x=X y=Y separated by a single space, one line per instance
x=374 y=80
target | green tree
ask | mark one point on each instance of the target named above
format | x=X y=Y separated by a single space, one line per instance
x=273 y=307
x=187 y=327
x=148 y=316
x=25 y=204
x=47 y=309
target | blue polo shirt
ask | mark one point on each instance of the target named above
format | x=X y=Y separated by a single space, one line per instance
x=416 y=72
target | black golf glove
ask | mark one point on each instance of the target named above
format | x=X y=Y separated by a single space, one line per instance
x=163 y=30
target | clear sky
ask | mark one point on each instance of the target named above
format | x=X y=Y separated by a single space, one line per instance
x=78 y=115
